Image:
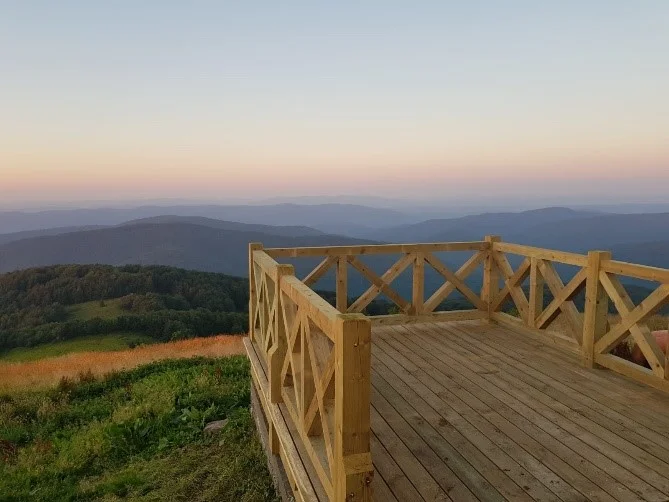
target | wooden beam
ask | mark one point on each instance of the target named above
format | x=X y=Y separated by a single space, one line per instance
x=445 y=316
x=569 y=310
x=536 y=302
x=418 y=283
x=573 y=287
x=453 y=279
x=448 y=287
x=253 y=293
x=511 y=284
x=342 y=285
x=320 y=312
x=380 y=284
x=354 y=470
x=578 y=260
x=376 y=249
x=490 y=288
x=319 y=271
x=596 y=311
x=636 y=271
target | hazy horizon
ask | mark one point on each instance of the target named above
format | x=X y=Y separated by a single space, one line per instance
x=539 y=104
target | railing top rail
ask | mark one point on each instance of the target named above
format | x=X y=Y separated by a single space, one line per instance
x=635 y=271
x=565 y=257
x=376 y=249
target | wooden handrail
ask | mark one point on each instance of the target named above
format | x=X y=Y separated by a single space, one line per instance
x=375 y=249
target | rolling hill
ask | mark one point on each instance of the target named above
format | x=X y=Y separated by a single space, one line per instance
x=178 y=244
x=475 y=227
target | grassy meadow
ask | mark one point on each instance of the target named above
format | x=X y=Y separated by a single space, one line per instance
x=134 y=434
x=106 y=309
x=97 y=343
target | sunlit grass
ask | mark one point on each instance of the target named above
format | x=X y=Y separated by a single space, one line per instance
x=136 y=435
x=48 y=372
x=96 y=343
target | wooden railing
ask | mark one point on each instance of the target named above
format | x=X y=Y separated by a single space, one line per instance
x=315 y=366
x=313 y=358
x=417 y=308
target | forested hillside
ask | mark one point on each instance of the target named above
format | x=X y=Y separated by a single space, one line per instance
x=44 y=304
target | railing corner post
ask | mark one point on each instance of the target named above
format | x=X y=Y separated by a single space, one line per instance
x=490 y=287
x=353 y=356
x=596 y=309
x=277 y=352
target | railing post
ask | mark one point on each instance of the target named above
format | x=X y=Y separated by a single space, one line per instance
x=596 y=308
x=342 y=284
x=418 y=287
x=536 y=302
x=490 y=287
x=353 y=462
x=253 y=294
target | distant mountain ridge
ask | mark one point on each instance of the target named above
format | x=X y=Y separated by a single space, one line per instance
x=311 y=215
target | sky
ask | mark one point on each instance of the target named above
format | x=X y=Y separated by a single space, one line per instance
x=128 y=100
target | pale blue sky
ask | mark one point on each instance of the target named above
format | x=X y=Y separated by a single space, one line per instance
x=188 y=99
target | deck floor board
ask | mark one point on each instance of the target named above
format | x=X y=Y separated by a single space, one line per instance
x=474 y=411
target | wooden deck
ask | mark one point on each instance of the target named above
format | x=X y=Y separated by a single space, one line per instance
x=474 y=411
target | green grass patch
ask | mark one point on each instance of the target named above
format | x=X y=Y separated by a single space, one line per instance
x=106 y=309
x=136 y=435
x=96 y=343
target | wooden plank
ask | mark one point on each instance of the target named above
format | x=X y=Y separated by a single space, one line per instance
x=553 y=338
x=342 y=285
x=320 y=270
x=418 y=283
x=319 y=311
x=459 y=284
x=290 y=457
x=636 y=271
x=391 y=473
x=620 y=398
x=447 y=315
x=536 y=302
x=596 y=308
x=416 y=472
x=573 y=384
x=624 y=400
x=353 y=463
x=380 y=284
x=492 y=453
x=447 y=288
x=631 y=370
x=376 y=249
x=542 y=254
x=420 y=449
x=603 y=434
x=598 y=467
x=449 y=381
x=482 y=465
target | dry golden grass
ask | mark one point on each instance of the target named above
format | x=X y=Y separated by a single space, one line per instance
x=48 y=372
